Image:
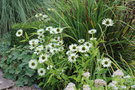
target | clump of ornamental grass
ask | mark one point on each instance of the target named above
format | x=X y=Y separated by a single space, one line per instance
x=81 y=15
x=15 y=11
x=79 y=65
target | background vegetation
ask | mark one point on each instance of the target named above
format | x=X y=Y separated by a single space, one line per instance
x=15 y=11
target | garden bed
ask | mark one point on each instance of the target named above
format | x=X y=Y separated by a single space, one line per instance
x=70 y=45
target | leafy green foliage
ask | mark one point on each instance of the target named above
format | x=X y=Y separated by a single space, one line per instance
x=16 y=41
x=5 y=43
x=15 y=66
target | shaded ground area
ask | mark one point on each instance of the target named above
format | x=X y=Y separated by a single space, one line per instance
x=6 y=84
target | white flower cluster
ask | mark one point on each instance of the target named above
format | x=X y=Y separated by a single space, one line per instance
x=54 y=30
x=113 y=85
x=86 y=74
x=74 y=49
x=120 y=81
x=70 y=86
x=45 y=50
x=118 y=73
x=99 y=82
x=86 y=87
x=42 y=17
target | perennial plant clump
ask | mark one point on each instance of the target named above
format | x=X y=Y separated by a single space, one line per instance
x=77 y=66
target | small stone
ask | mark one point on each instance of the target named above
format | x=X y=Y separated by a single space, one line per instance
x=1 y=82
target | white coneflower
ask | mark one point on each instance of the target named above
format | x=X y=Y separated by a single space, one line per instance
x=42 y=40
x=43 y=58
x=69 y=52
x=70 y=86
x=92 y=31
x=92 y=39
x=107 y=22
x=41 y=37
x=41 y=71
x=81 y=40
x=49 y=28
x=86 y=74
x=99 y=82
x=72 y=57
x=60 y=49
x=118 y=73
x=88 y=44
x=19 y=33
x=40 y=31
x=126 y=77
x=73 y=47
x=86 y=87
x=49 y=67
x=56 y=39
x=58 y=30
x=33 y=64
x=34 y=41
x=106 y=62
x=53 y=51
x=133 y=86
x=83 y=48
x=60 y=42
x=51 y=45
x=39 y=49
x=52 y=31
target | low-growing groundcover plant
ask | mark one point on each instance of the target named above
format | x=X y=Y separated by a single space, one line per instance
x=78 y=66
x=14 y=64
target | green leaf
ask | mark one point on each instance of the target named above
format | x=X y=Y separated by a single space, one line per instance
x=23 y=40
x=26 y=35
